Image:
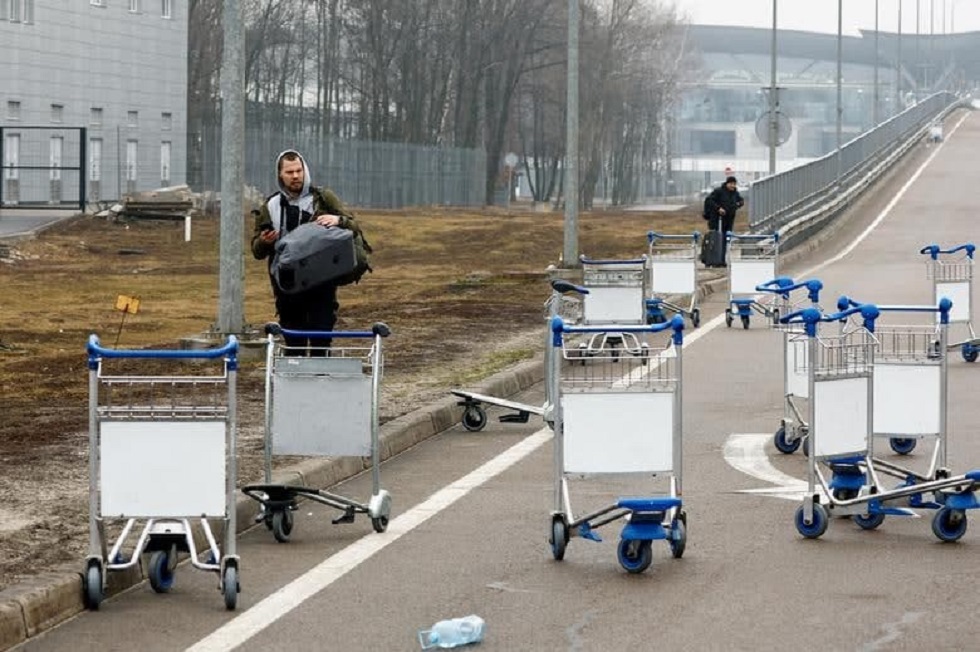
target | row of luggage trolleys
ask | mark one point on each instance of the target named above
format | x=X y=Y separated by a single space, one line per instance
x=866 y=378
x=163 y=448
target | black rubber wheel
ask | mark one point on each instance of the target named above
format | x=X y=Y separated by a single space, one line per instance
x=282 y=524
x=474 y=418
x=161 y=575
x=229 y=587
x=902 y=445
x=93 y=586
x=379 y=523
x=559 y=538
x=696 y=317
x=783 y=445
x=745 y=322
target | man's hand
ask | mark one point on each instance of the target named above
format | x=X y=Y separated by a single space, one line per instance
x=721 y=211
x=328 y=220
x=269 y=236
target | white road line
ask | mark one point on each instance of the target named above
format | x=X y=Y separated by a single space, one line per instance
x=243 y=627
x=246 y=625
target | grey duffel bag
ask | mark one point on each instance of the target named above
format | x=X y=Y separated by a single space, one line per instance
x=311 y=255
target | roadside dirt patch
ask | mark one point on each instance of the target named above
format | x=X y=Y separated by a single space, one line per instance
x=463 y=292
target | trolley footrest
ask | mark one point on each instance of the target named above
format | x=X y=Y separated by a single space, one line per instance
x=276 y=496
x=648 y=504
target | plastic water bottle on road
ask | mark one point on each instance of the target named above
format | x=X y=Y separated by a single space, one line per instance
x=452 y=633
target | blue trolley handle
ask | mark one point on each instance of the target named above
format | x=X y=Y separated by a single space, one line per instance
x=379 y=329
x=783 y=285
x=653 y=235
x=229 y=350
x=810 y=317
x=559 y=327
x=933 y=250
x=565 y=287
x=945 y=305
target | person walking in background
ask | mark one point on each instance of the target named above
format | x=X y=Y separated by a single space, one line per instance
x=297 y=202
x=721 y=206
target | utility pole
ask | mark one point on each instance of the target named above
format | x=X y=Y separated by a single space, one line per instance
x=570 y=253
x=773 y=102
x=232 y=268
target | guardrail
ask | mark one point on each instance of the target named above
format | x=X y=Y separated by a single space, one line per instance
x=797 y=201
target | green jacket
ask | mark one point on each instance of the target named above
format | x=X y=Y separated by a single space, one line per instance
x=324 y=201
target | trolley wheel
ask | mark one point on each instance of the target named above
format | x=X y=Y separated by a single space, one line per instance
x=816 y=528
x=559 y=537
x=282 y=524
x=745 y=321
x=93 y=586
x=868 y=521
x=902 y=445
x=474 y=418
x=678 y=538
x=949 y=524
x=969 y=352
x=806 y=445
x=379 y=523
x=844 y=494
x=782 y=444
x=635 y=556
x=696 y=317
x=161 y=575
x=729 y=317
x=229 y=586
x=775 y=316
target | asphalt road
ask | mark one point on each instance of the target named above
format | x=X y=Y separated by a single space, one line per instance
x=23 y=221
x=471 y=513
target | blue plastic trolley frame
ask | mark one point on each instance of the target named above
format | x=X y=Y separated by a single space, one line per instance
x=161 y=451
x=672 y=263
x=841 y=416
x=752 y=260
x=565 y=302
x=325 y=404
x=951 y=273
x=619 y=417
x=793 y=426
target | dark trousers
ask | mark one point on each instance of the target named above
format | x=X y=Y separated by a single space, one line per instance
x=312 y=310
x=727 y=224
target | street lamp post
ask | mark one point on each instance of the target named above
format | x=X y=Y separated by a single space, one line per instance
x=773 y=104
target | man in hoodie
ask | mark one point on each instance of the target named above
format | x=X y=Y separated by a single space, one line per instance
x=299 y=202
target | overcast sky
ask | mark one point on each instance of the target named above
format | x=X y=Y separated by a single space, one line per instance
x=821 y=15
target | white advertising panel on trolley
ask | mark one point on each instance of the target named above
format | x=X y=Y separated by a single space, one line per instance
x=959 y=293
x=152 y=469
x=628 y=432
x=672 y=276
x=614 y=305
x=840 y=419
x=322 y=415
x=797 y=365
x=746 y=275
x=907 y=399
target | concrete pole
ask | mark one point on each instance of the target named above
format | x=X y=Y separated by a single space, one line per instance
x=773 y=103
x=874 y=110
x=840 y=74
x=232 y=267
x=570 y=252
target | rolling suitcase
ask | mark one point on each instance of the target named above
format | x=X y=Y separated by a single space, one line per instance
x=713 y=249
x=311 y=255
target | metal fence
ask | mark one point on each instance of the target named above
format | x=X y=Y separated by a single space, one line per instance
x=778 y=199
x=368 y=174
x=42 y=166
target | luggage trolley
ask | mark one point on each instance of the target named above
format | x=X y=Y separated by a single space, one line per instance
x=841 y=415
x=324 y=404
x=952 y=277
x=793 y=427
x=672 y=260
x=161 y=451
x=565 y=302
x=752 y=261
x=619 y=417
x=616 y=296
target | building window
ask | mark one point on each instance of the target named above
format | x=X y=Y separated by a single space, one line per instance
x=95 y=116
x=132 y=118
x=165 y=162
x=131 y=151
x=165 y=9
x=57 y=147
x=95 y=159
x=58 y=113
x=166 y=121
x=134 y=6
x=97 y=3
x=15 y=13
x=4 y=10
x=28 y=11
x=13 y=110
x=11 y=152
